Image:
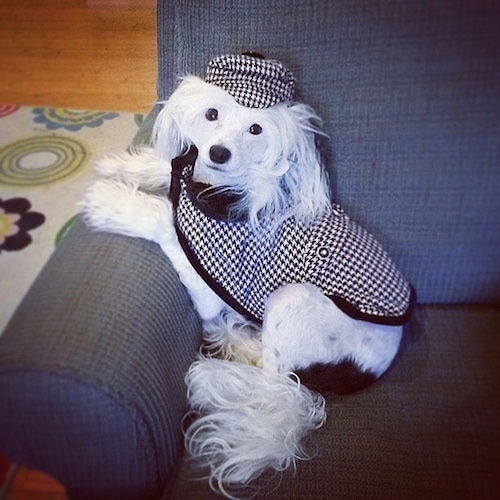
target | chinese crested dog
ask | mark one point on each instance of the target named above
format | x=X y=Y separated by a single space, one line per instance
x=296 y=299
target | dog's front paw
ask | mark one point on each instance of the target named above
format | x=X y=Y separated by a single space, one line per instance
x=121 y=208
x=142 y=167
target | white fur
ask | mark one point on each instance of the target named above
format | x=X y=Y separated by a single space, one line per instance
x=261 y=166
x=253 y=415
x=249 y=421
x=290 y=309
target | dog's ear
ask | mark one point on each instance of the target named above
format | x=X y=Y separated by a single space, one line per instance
x=167 y=138
x=169 y=132
x=305 y=178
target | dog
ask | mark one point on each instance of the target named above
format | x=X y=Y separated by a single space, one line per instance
x=296 y=299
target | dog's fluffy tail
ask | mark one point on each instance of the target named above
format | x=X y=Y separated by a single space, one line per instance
x=248 y=421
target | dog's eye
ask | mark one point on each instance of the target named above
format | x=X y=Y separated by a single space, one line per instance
x=212 y=115
x=255 y=129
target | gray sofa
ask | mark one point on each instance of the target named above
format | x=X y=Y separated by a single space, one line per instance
x=92 y=363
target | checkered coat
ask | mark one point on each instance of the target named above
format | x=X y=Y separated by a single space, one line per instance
x=243 y=268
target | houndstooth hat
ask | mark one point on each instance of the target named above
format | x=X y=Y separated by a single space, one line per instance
x=252 y=81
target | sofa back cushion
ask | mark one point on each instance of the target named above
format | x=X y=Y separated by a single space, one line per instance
x=409 y=94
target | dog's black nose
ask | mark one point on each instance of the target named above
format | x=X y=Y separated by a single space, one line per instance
x=219 y=154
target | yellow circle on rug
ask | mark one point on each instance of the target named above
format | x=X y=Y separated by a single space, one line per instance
x=41 y=160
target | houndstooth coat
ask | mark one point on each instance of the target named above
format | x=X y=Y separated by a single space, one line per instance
x=243 y=268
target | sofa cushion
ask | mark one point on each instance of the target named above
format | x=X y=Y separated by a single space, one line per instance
x=428 y=429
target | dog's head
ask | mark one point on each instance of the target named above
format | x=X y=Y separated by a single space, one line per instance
x=267 y=155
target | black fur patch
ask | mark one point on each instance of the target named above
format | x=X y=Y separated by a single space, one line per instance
x=340 y=378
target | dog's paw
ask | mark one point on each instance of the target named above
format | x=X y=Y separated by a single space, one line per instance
x=121 y=208
x=142 y=167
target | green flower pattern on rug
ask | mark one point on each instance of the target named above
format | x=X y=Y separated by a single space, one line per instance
x=69 y=119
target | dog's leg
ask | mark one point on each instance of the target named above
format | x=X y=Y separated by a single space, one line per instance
x=206 y=302
x=142 y=167
x=231 y=336
x=305 y=332
x=122 y=208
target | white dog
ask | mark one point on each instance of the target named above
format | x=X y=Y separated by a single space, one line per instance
x=286 y=301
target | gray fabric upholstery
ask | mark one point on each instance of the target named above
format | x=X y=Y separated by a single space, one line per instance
x=409 y=95
x=92 y=368
x=428 y=429
x=92 y=364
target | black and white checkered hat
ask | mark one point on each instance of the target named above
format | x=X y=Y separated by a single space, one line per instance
x=252 y=81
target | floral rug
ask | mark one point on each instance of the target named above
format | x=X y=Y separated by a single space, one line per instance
x=45 y=167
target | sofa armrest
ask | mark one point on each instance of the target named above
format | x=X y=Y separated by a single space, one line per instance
x=92 y=367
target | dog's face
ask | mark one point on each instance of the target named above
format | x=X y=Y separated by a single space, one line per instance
x=233 y=141
x=266 y=155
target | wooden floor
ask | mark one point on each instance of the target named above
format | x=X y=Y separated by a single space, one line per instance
x=82 y=54
x=85 y=54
